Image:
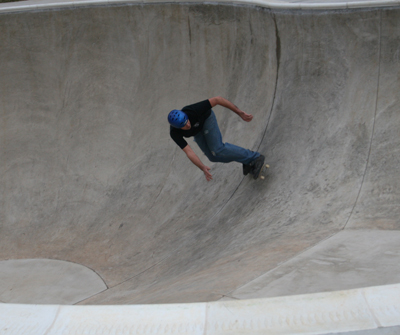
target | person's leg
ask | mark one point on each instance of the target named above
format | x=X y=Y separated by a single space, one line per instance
x=223 y=152
x=201 y=142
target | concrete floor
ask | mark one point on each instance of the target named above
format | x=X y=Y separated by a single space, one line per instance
x=89 y=175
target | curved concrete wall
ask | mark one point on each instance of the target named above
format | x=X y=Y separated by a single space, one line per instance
x=89 y=174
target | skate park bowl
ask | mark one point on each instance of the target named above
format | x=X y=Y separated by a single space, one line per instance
x=106 y=225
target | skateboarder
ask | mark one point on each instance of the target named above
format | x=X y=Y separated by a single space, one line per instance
x=199 y=120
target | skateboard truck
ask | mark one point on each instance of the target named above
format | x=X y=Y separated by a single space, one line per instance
x=262 y=177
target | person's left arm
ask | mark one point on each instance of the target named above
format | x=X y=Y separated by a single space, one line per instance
x=227 y=104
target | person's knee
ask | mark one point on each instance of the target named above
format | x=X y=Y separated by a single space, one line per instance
x=218 y=151
x=217 y=155
x=212 y=157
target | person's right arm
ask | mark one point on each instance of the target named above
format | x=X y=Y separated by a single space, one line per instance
x=196 y=161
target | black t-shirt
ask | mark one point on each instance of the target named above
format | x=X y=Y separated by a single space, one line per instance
x=197 y=114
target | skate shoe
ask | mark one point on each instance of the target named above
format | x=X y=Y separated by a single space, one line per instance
x=247 y=168
x=257 y=166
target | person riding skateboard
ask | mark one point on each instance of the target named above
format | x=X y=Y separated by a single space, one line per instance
x=199 y=120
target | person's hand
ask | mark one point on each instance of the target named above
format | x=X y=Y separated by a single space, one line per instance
x=207 y=173
x=246 y=117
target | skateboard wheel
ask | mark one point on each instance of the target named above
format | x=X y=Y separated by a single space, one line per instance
x=262 y=177
x=267 y=166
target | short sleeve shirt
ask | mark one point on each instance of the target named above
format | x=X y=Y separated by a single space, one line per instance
x=197 y=114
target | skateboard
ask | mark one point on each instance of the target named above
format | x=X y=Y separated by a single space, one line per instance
x=260 y=172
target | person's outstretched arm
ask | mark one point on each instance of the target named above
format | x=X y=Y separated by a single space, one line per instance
x=196 y=161
x=227 y=104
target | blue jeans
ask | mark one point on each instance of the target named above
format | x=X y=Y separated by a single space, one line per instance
x=209 y=139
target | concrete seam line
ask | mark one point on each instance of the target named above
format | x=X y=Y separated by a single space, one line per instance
x=54 y=321
x=367 y=163
x=207 y=307
x=364 y=292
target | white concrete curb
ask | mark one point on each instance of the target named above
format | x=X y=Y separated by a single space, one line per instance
x=321 y=313
x=273 y=4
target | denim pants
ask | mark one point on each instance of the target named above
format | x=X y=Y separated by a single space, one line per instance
x=209 y=139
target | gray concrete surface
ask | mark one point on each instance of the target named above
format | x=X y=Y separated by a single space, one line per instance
x=44 y=281
x=89 y=175
x=351 y=258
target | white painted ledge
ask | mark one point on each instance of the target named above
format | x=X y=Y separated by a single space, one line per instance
x=273 y=4
x=321 y=313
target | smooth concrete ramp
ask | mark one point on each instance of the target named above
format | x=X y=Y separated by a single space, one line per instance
x=89 y=174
